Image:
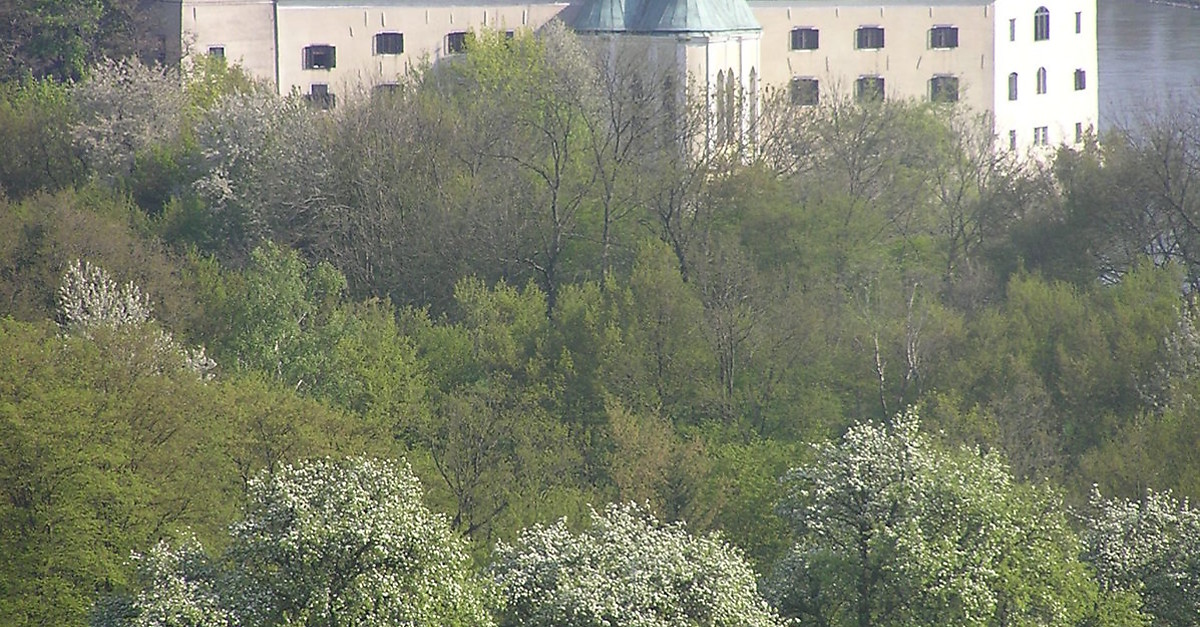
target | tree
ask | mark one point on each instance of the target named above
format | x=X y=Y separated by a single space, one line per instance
x=63 y=38
x=179 y=588
x=542 y=88
x=892 y=530
x=324 y=543
x=625 y=568
x=347 y=542
x=126 y=108
x=36 y=144
x=1150 y=546
x=499 y=448
x=265 y=173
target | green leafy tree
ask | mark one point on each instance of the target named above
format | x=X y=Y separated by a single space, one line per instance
x=102 y=451
x=625 y=568
x=63 y=38
x=36 y=144
x=501 y=451
x=892 y=530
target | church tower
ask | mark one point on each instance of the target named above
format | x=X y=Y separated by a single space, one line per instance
x=712 y=45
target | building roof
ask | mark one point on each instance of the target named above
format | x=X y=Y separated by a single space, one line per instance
x=664 y=16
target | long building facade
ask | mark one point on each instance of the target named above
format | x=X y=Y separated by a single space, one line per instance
x=1031 y=64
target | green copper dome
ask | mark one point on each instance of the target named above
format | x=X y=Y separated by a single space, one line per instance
x=664 y=16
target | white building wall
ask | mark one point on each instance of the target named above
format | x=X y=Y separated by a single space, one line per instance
x=268 y=38
x=352 y=29
x=245 y=29
x=1062 y=107
x=733 y=54
x=907 y=62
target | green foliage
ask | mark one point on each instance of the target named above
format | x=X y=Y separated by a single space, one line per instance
x=584 y=312
x=49 y=38
x=44 y=234
x=892 y=530
x=496 y=445
x=1071 y=362
x=36 y=143
x=100 y=456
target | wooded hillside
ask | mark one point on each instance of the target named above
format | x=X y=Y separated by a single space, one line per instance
x=263 y=363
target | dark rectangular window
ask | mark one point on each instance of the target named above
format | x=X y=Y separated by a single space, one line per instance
x=1080 y=80
x=868 y=37
x=456 y=43
x=943 y=89
x=806 y=39
x=319 y=96
x=1012 y=86
x=385 y=89
x=1078 y=22
x=1012 y=140
x=1078 y=132
x=805 y=92
x=869 y=89
x=320 y=58
x=216 y=51
x=943 y=37
x=389 y=43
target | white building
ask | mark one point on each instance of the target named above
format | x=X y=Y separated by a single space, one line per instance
x=1031 y=63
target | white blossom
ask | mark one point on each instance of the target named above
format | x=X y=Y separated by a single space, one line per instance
x=626 y=569
x=126 y=107
x=1151 y=546
x=349 y=542
x=891 y=530
x=89 y=300
x=89 y=297
x=180 y=587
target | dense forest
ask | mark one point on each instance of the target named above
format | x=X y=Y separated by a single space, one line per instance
x=518 y=342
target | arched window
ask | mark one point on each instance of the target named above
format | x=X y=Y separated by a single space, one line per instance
x=1041 y=24
x=720 y=98
x=753 y=101
x=1012 y=86
x=733 y=107
x=1041 y=80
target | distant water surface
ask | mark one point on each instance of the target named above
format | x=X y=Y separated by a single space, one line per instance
x=1149 y=55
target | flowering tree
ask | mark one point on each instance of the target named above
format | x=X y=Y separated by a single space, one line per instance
x=329 y=543
x=179 y=589
x=1151 y=546
x=126 y=107
x=265 y=170
x=348 y=542
x=892 y=530
x=626 y=568
x=90 y=300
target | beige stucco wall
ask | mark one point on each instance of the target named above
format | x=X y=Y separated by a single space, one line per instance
x=906 y=62
x=245 y=28
x=352 y=30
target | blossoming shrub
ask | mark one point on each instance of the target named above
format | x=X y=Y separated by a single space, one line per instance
x=625 y=568
x=329 y=543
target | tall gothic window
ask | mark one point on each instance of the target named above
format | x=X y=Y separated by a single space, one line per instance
x=1041 y=24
